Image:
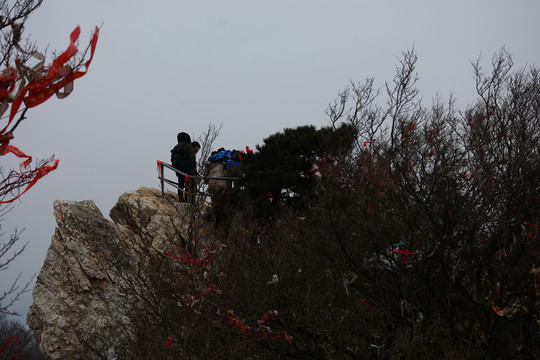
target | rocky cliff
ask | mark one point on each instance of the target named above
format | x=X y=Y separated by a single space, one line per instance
x=93 y=267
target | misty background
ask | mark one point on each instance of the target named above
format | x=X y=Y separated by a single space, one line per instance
x=254 y=67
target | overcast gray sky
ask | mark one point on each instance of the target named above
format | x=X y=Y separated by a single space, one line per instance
x=256 y=67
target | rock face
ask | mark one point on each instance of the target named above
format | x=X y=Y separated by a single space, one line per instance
x=83 y=290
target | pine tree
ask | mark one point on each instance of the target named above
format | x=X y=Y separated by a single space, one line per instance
x=284 y=169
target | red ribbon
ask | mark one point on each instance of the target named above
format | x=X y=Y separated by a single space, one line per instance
x=9 y=340
x=189 y=258
x=200 y=262
x=4 y=139
x=367 y=304
x=248 y=151
x=186 y=180
x=168 y=344
x=41 y=90
x=60 y=208
x=14 y=150
x=7 y=81
x=532 y=226
x=39 y=173
x=210 y=289
x=240 y=325
x=45 y=88
x=159 y=162
x=403 y=253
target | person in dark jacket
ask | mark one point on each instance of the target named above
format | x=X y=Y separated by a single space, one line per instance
x=183 y=159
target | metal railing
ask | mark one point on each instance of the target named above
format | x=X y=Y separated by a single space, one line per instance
x=163 y=180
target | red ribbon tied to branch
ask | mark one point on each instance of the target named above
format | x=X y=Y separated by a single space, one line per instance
x=38 y=174
x=186 y=180
x=210 y=289
x=365 y=301
x=58 y=77
x=14 y=150
x=404 y=254
x=200 y=262
x=7 y=81
x=9 y=340
x=248 y=151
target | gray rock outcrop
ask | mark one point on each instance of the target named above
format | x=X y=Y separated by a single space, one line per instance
x=93 y=265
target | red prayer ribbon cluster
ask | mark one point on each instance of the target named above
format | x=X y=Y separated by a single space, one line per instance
x=58 y=77
x=264 y=330
x=52 y=80
x=248 y=151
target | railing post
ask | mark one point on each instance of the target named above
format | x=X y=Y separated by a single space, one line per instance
x=162 y=179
